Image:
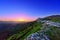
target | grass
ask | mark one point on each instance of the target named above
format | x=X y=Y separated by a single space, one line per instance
x=15 y=36
x=23 y=34
x=53 y=33
x=55 y=20
x=36 y=28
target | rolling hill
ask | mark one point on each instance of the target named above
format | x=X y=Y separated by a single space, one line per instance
x=19 y=31
x=55 y=18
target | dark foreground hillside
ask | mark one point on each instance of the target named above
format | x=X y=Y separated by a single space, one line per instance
x=21 y=31
x=21 y=35
x=16 y=31
x=8 y=29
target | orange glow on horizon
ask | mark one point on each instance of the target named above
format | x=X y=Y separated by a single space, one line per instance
x=25 y=19
x=21 y=19
x=18 y=18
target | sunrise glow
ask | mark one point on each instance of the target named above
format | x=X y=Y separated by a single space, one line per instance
x=21 y=20
x=18 y=18
x=24 y=19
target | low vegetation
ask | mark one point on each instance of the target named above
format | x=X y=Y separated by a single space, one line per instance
x=53 y=33
x=55 y=19
x=33 y=27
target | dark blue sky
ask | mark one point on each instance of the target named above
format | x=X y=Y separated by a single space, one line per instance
x=33 y=8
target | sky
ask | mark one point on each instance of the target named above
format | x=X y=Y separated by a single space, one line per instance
x=28 y=9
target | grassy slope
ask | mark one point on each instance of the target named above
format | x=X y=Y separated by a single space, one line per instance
x=55 y=19
x=54 y=33
x=23 y=34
